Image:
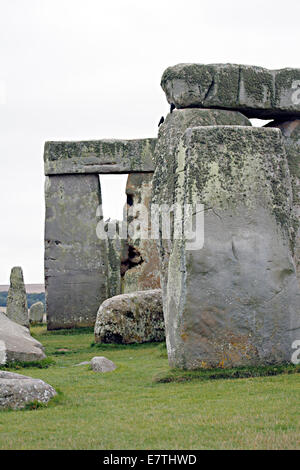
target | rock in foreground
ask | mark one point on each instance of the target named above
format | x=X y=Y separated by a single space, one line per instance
x=255 y=91
x=101 y=364
x=131 y=318
x=16 y=344
x=18 y=390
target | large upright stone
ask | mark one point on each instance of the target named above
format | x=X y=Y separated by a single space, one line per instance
x=255 y=91
x=236 y=300
x=164 y=176
x=16 y=307
x=75 y=258
x=114 y=244
x=291 y=137
x=140 y=260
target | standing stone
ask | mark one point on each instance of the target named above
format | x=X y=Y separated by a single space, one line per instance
x=291 y=137
x=235 y=301
x=36 y=313
x=75 y=258
x=114 y=248
x=164 y=176
x=140 y=263
x=16 y=307
x=255 y=91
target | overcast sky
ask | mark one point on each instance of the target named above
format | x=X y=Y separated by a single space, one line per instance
x=91 y=69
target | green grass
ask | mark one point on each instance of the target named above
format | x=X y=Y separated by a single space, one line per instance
x=144 y=405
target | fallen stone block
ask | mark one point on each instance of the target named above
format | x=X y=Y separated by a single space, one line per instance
x=16 y=344
x=16 y=391
x=102 y=364
x=131 y=318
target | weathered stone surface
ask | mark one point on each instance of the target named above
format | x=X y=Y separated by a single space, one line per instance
x=114 y=247
x=236 y=300
x=16 y=344
x=102 y=364
x=16 y=307
x=18 y=390
x=36 y=312
x=255 y=91
x=291 y=137
x=75 y=258
x=164 y=176
x=131 y=318
x=99 y=156
x=140 y=263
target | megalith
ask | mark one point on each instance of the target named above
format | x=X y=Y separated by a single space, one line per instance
x=16 y=307
x=170 y=133
x=255 y=91
x=75 y=258
x=235 y=300
x=136 y=317
x=291 y=136
x=36 y=312
x=140 y=257
x=114 y=246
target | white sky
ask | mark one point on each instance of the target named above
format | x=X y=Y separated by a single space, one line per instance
x=91 y=69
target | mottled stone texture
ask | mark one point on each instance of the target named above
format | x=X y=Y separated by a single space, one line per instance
x=99 y=156
x=140 y=260
x=16 y=344
x=36 y=312
x=255 y=91
x=235 y=301
x=291 y=137
x=16 y=307
x=16 y=391
x=114 y=245
x=102 y=364
x=164 y=176
x=75 y=258
x=131 y=318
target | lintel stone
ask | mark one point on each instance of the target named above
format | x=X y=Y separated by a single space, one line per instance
x=99 y=156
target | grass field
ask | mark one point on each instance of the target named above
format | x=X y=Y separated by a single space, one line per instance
x=131 y=409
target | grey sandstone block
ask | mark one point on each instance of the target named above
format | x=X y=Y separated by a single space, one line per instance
x=291 y=138
x=75 y=258
x=254 y=91
x=99 y=156
x=16 y=307
x=236 y=300
x=170 y=133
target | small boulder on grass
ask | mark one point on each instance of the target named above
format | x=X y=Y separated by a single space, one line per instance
x=17 y=391
x=101 y=364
